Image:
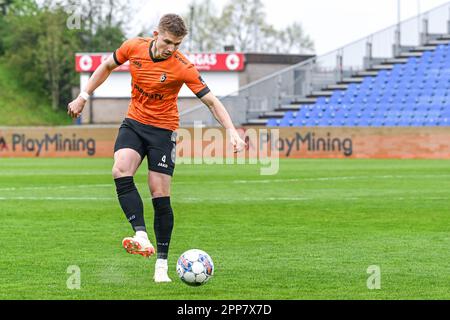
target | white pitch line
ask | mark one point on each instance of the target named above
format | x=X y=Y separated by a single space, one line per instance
x=57 y=198
x=54 y=173
x=57 y=187
x=177 y=200
x=246 y=199
x=265 y=181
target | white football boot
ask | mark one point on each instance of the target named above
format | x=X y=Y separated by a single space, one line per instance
x=161 y=269
x=138 y=245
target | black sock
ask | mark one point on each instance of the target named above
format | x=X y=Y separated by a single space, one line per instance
x=163 y=225
x=131 y=202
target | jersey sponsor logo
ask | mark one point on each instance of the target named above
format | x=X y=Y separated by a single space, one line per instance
x=137 y=64
x=156 y=96
x=163 y=77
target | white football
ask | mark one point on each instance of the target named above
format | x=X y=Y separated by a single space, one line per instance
x=195 y=267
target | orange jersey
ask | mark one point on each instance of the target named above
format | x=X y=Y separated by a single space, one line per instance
x=155 y=83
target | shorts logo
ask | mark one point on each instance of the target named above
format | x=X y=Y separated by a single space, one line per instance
x=163 y=163
x=163 y=77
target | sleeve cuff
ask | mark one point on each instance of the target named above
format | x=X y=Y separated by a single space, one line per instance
x=115 y=59
x=203 y=92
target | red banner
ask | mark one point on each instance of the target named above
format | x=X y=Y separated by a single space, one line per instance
x=231 y=62
x=217 y=61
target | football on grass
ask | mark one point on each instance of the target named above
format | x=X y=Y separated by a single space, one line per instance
x=195 y=267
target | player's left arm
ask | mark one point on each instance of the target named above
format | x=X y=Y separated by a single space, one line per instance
x=221 y=114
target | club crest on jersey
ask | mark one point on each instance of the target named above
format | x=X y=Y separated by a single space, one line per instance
x=163 y=77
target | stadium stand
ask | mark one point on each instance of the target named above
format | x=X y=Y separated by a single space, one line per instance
x=415 y=93
x=396 y=77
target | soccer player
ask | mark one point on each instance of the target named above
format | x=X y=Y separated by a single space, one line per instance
x=158 y=70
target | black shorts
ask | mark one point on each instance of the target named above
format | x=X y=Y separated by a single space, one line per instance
x=159 y=145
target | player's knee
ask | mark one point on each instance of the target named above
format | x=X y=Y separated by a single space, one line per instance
x=119 y=171
x=160 y=193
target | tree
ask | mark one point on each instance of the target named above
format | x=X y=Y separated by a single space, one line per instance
x=4 y=5
x=242 y=24
x=102 y=22
x=245 y=24
x=37 y=42
x=55 y=55
x=296 y=40
x=203 y=24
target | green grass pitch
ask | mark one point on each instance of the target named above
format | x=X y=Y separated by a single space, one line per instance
x=309 y=232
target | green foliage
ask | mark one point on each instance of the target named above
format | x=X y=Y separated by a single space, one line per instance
x=38 y=45
x=20 y=106
x=105 y=39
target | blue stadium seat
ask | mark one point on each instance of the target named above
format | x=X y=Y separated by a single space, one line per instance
x=443 y=122
x=289 y=115
x=416 y=93
x=286 y=122
x=273 y=122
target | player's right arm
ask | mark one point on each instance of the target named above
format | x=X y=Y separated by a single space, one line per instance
x=99 y=76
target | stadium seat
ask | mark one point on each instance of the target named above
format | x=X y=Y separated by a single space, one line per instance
x=415 y=93
x=272 y=123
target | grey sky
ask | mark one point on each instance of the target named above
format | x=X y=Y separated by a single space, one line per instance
x=330 y=23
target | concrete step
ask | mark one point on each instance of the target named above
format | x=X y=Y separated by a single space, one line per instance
x=304 y=101
x=366 y=74
x=423 y=48
x=352 y=80
x=321 y=94
x=438 y=42
x=272 y=114
x=288 y=107
x=256 y=122
x=337 y=87
x=395 y=61
x=379 y=67
x=410 y=54
x=444 y=37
